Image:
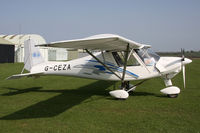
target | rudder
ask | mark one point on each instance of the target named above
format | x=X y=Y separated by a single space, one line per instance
x=32 y=55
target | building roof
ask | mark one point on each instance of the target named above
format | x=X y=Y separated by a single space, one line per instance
x=4 y=41
x=19 y=39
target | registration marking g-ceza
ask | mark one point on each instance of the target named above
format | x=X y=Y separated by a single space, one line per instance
x=60 y=67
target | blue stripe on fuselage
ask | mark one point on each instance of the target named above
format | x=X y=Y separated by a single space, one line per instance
x=113 y=67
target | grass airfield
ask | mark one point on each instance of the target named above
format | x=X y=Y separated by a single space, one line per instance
x=57 y=104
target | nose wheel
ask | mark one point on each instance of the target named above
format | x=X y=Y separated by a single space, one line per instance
x=170 y=91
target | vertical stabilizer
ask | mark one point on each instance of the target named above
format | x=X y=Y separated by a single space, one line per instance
x=32 y=55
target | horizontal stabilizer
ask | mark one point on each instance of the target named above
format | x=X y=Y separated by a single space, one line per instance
x=17 y=76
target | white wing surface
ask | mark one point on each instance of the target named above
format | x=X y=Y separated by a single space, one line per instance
x=98 y=42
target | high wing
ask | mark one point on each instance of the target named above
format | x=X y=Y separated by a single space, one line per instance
x=108 y=42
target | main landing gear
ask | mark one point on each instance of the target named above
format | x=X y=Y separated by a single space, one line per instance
x=126 y=87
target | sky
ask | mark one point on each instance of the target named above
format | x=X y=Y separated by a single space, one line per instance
x=167 y=25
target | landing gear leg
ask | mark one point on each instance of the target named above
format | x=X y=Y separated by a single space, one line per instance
x=125 y=85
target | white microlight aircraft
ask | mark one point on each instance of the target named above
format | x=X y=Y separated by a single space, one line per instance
x=118 y=59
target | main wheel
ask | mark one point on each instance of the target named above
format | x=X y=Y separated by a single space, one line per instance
x=172 y=95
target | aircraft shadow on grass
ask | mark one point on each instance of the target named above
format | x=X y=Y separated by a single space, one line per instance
x=57 y=104
x=60 y=103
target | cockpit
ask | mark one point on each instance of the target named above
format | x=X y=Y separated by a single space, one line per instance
x=145 y=54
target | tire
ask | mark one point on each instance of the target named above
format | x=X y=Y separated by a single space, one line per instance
x=172 y=95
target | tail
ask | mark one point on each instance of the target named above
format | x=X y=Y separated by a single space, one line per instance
x=32 y=55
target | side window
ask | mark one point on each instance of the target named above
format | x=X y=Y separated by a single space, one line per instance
x=119 y=58
x=132 y=61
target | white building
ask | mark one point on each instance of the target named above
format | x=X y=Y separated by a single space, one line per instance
x=51 y=54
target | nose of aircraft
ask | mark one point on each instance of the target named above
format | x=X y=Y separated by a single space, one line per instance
x=187 y=61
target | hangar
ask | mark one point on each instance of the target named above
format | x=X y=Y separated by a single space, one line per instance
x=7 y=51
x=16 y=42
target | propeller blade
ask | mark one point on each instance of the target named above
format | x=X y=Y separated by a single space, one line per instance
x=183 y=66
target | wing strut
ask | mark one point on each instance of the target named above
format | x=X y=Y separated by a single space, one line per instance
x=103 y=64
x=125 y=64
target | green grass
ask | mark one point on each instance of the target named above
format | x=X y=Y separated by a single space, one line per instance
x=56 y=104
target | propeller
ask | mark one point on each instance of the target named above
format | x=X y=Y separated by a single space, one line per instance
x=183 y=66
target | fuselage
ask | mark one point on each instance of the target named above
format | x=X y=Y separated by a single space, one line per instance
x=88 y=67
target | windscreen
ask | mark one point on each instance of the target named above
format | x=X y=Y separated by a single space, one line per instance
x=148 y=56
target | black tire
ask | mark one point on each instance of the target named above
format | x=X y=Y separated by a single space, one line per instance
x=172 y=95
